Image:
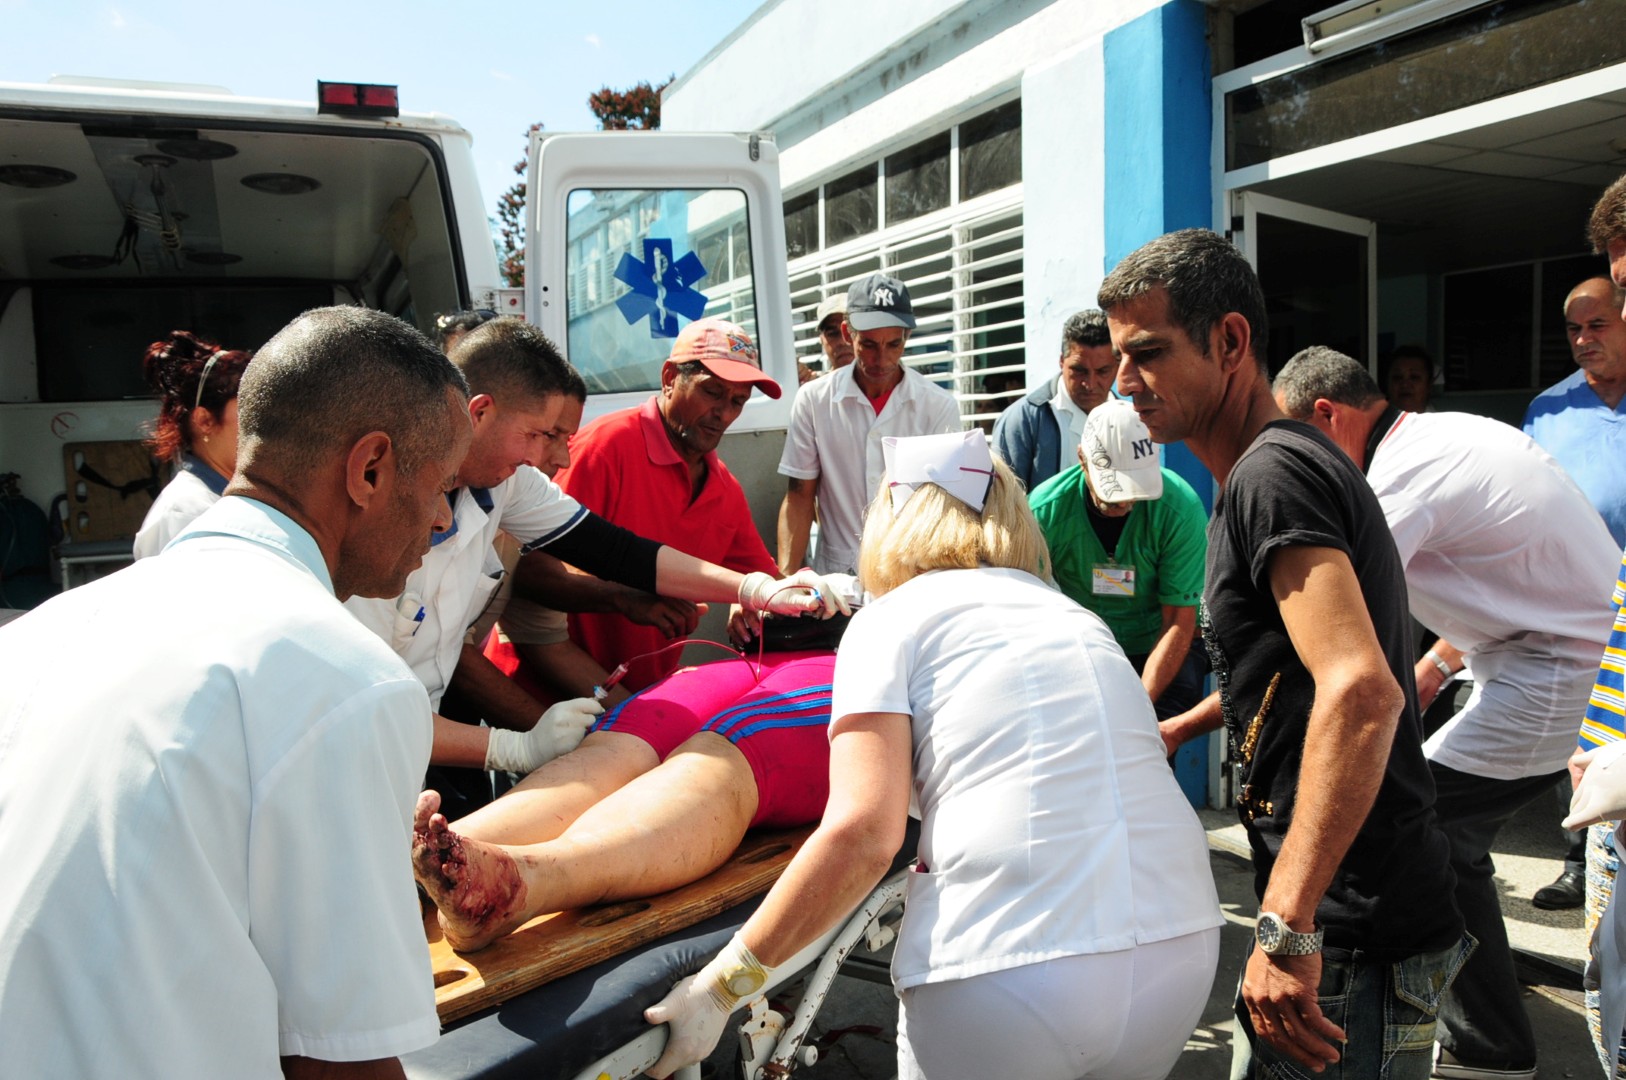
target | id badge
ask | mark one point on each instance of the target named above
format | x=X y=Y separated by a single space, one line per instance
x=1110 y=579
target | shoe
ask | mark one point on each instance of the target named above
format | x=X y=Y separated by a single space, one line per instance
x=1569 y=891
x=1447 y=1067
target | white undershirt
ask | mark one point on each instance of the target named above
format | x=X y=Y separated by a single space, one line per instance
x=1070 y=419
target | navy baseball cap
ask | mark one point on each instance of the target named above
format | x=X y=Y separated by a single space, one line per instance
x=879 y=301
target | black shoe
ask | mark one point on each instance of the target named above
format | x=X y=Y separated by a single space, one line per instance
x=1569 y=891
x=1447 y=1067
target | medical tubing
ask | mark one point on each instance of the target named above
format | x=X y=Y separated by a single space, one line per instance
x=621 y=672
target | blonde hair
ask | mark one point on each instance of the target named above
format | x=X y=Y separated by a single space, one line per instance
x=936 y=531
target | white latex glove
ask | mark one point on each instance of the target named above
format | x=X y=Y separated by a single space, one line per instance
x=803 y=591
x=559 y=731
x=845 y=587
x=698 y=1007
x=1601 y=794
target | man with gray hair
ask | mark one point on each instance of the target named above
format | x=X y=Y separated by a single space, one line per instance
x=1305 y=622
x=1503 y=556
x=218 y=777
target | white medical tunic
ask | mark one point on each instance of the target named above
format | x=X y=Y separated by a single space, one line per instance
x=1051 y=824
x=207 y=774
x=835 y=437
x=194 y=488
x=1506 y=559
x=427 y=623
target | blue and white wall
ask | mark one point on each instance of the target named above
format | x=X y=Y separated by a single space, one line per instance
x=1116 y=120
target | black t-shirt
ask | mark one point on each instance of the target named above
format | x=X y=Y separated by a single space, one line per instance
x=1392 y=895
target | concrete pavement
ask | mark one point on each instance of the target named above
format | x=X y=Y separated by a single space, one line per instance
x=863 y=1016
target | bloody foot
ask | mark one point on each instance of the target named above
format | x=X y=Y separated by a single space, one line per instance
x=476 y=886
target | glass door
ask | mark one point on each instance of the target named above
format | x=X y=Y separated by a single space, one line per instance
x=1319 y=272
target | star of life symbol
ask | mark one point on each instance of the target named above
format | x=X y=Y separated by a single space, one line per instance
x=660 y=287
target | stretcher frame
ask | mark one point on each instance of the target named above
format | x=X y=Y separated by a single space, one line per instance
x=528 y=1034
x=772 y=1044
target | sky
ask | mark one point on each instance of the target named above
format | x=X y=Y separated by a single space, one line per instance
x=495 y=68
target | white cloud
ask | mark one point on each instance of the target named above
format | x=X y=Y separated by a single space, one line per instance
x=594 y=41
x=115 y=19
x=501 y=76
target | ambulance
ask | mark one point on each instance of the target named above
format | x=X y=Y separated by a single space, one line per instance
x=130 y=209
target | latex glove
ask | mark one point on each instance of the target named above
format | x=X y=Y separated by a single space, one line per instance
x=698 y=1007
x=803 y=591
x=1601 y=794
x=559 y=731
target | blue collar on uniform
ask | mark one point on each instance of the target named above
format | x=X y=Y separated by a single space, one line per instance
x=201 y=469
x=482 y=499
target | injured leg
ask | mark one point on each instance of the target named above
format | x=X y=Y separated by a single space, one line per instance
x=476 y=886
x=665 y=829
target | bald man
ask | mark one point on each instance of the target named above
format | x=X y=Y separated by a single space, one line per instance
x=1578 y=420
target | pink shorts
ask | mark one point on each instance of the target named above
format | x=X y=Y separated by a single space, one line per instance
x=780 y=723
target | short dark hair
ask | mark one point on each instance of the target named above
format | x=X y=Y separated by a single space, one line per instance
x=511 y=359
x=1087 y=328
x=1411 y=352
x=1205 y=277
x=1608 y=219
x=1323 y=372
x=333 y=375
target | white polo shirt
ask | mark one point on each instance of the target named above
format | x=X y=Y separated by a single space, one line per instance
x=1507 y=560
x=427 y=622
x=1051 y=824
x=207 y=775
x=829 y=421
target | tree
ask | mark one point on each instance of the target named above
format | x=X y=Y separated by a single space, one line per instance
x=638 y=108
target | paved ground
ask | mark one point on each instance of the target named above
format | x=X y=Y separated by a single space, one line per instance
x=865 y=1015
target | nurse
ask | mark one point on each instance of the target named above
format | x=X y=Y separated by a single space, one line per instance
x=196 y=382
x=1062 y=921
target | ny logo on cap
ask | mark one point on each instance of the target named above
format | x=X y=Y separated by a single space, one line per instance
x=882 y=297
x=1142 y=448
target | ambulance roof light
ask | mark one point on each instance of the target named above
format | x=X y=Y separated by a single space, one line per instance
x=357 y=99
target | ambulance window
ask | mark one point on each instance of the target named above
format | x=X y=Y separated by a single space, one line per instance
x=640 y=265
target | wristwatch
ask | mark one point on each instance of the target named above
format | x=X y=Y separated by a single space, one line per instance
x=1275 y=939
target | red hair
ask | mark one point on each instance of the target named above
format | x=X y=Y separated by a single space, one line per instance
x=173 y=368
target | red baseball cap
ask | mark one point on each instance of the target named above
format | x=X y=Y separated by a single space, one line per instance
x=725 y=350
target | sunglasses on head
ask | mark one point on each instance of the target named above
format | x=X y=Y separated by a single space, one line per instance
x=443 y=321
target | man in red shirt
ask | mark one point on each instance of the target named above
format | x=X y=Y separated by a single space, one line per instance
x=654 y=470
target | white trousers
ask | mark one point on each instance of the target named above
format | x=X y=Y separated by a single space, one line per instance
x=1111 y=1016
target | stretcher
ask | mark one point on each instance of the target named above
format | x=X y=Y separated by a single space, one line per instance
x=563 y=997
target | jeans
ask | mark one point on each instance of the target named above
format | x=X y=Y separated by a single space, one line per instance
x=1482 y=1020
x=1602 y=865
x=1387 y=1011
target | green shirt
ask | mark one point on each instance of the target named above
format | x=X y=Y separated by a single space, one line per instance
x=1164 y=540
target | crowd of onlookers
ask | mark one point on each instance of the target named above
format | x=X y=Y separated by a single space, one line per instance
x=381 y=560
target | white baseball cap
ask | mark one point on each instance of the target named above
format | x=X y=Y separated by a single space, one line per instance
x=1119 y=453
